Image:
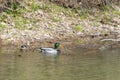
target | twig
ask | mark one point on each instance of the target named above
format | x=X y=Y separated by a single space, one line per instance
x=115 y=40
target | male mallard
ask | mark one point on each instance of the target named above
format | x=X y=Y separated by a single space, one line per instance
x=51 y=51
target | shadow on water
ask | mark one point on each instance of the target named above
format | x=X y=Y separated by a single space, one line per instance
x=76 y=64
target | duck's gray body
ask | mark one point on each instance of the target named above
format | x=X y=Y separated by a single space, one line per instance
x=49 y=51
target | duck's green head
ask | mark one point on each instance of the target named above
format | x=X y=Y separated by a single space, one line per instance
x=56 y=45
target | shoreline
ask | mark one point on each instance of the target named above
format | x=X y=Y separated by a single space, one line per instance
x=101 y=41
x=52 y=23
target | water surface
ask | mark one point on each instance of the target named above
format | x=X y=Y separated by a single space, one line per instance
x=74 y=64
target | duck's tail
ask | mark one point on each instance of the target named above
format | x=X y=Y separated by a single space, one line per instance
x=40 y=49
x=59 y=51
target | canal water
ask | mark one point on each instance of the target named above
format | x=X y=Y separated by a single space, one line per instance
x=71 y=64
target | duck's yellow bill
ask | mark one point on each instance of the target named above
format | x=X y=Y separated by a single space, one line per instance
x=60 y=46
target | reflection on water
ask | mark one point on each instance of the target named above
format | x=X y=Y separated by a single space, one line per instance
x=78 y=65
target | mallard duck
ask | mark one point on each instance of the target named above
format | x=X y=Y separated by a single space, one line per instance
x=51 y=51
x=25 y=46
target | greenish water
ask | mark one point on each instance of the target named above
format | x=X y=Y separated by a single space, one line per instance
x=75 y=64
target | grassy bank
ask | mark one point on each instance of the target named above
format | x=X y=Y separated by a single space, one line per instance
x=38 y=21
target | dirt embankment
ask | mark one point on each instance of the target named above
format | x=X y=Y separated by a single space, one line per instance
x=42 y=22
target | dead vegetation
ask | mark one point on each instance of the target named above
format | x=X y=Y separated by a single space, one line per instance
x=12 y=5
x=85 y=3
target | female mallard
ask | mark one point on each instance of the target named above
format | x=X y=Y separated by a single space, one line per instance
x=51 y=51
x=26 y=46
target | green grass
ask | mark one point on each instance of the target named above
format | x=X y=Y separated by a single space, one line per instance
x=78 y=28
x=116 y=12
x=55 y=19
x=20 y=22
x=46 y=7
x=2 y=26
x=34 y=7
x=15 y=9
x=83 y=13
x=53 y=9
x=2 y=17
x=105 y=8
x=69 y=12
x=56 y=9
x=95 y=24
